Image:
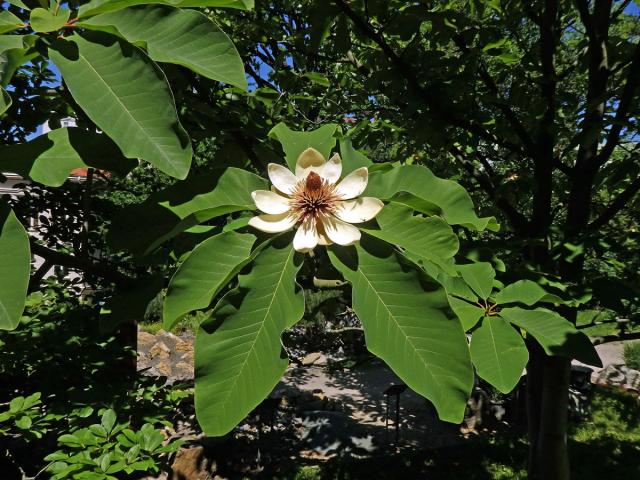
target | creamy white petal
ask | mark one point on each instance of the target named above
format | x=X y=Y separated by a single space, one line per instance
x=322 y=236
x=282 y=178
x=273 y=223
x=311 y=160
x=306 y=237
x=270 y=202
x=353 y=184
x=332 y=169
x=340 y=232
x=358 y=210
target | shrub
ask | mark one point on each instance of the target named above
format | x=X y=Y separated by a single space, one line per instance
x=632 y=355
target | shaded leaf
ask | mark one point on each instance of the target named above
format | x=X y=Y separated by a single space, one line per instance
x=183 y=37
x=201 y=197
x=47 y=21
x=479 y=276
x=5 y=100
x=9 y=22
x=239 y=356
x=423 y=239
x=450 y=199
x=207 y=270
x=554 y=333
x=49 y=158
x=127 y=96
x=407 y=323
x=498 y=353
x=94 y=7
x=527 y=292
x=294 y=143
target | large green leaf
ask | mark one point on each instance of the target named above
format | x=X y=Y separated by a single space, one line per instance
x=5 y=100
x=351 y=158
x=9 y=22
x=183 y=37
x=294 y=143
x=47 y=21
x=95 y=7
x=15 y=267
x=201 y=197
x=207 y=270
x=498 y=353
x=423 y=239
x=49 y=158
x=526 y=292
x=415 y=185
x=127 y=96
x=554 y=333
x=239 y=356
x=479 y=276
x=13 y=53
x=407 y=323
x=468 y=313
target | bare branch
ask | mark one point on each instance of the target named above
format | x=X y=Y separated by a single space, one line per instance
x=618 y=204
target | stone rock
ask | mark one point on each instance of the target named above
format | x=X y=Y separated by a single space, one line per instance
x=164 y=369
x=168 y=338
x=145 y=340
x=311 y=358
x=183 y=346
x=191 y=464
x=183 y=370
x=612 y=375
x=632 y=378
x=160 y=349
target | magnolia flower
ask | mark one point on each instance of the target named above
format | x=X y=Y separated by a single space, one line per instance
x=313 y=200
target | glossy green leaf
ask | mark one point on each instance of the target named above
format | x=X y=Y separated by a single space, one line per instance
x=294 y=143
x=201 y=197
x=207 y=270
x=127 y=96
x=351 y=158
x=423 y=239
x=5 y=100
x=239 y=355
x=14 y=51
x=479 y=276
x=49 y=158
x=408 y=183
x=47 y=21
x=554 y=333
x=15 y=268
x=498 y=353
x=95 y=7
x=9 y=22
x=407 y=323
x=19 y=4
x=526 y=292
x=467 y=312
x=183 y=37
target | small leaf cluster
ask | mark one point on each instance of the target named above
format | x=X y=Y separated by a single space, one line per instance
x=102 y=450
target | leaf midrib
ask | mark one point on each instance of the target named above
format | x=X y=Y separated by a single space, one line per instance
x=126 y=110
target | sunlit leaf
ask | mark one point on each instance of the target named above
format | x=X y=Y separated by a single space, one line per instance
x=239 y=355
x=407 y=323
x=127 y=96
x=183 y=37
x=294 y=143
x=94 y=7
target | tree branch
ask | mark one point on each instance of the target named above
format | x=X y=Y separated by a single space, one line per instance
x=409 y=75
x=614 y=207
x=628 y=92
x=617 y=337
x=105 y=271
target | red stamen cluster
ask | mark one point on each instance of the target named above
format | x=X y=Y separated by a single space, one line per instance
x=313 y=197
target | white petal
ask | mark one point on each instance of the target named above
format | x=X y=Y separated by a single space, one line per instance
x=270 y=202
x=306 y=237
x=273 y=223
x=358 y=210
x=353 y=184
x=311 y=160
x=340 y=232
x=322 y=236
x=283 y=179
x=332 y=169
